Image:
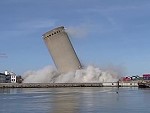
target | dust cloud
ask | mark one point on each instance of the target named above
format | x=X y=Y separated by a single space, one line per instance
x=90 y=74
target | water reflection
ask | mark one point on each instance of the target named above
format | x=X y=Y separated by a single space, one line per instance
x=74 y=100
x=65 y=101
x=10 y=90
x=78 y=100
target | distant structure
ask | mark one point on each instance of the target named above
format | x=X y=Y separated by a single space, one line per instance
x=61 y=50
x=3 y=55
x=8 y=77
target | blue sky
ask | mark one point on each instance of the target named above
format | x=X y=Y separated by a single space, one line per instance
x=105 y=32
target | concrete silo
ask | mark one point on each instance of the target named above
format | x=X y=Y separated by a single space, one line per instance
x=61 y=50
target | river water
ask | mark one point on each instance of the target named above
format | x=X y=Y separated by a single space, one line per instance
x=75 y=100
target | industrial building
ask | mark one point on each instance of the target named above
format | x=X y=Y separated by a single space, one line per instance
x=61 y=50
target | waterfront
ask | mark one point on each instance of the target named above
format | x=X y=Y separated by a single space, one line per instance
x=74 y=100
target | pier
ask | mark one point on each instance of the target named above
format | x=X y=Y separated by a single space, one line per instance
x=48 y=85
x=61 y=85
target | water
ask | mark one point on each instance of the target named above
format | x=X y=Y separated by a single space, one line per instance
x=75 y=100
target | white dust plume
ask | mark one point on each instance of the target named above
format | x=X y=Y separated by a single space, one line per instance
x=90 y=74
x=78 y=31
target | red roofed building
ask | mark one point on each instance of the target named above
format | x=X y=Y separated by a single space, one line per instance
x=146 y=76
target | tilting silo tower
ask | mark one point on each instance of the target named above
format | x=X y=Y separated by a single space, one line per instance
x=61 y=50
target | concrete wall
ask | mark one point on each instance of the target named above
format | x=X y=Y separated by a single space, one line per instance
x=48 y=85
x=110 y=84
x=121 y=84
x=61 y=50
x=53 y=85
x=128 y=84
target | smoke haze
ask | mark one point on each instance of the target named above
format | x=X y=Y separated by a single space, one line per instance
x=89 y=74
x=78 y=31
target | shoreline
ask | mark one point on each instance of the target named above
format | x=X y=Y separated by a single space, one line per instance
x=63 y=85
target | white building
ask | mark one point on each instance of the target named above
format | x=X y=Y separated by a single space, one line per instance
x=13 y=79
